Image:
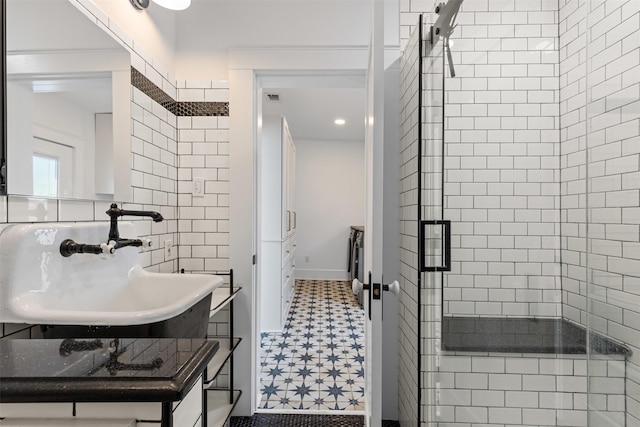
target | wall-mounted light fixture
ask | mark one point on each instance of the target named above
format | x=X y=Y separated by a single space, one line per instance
x=140 y=4
x=169 y=4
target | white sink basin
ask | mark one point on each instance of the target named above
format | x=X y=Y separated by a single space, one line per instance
x=40 y=286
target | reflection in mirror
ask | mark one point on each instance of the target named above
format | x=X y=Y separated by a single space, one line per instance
x=68 y=104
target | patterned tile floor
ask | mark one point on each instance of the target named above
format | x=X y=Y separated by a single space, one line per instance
x=317 y=362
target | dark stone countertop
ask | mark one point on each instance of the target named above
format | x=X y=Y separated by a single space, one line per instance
x=102 y=370
x=524 y=335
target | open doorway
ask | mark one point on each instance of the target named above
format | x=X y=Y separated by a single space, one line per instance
x=311 y=350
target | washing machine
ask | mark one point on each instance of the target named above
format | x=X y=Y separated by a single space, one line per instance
x=356 y=257
x=352 y=241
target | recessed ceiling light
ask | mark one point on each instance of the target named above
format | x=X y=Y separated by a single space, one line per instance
x=339 y=122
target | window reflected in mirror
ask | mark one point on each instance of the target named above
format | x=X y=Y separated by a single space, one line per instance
x=53 y=169
x=45 y=175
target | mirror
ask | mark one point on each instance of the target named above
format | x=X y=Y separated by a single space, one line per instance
x=68 y=104
x=3 y=146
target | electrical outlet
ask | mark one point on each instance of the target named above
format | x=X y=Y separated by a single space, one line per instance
x=169 y=250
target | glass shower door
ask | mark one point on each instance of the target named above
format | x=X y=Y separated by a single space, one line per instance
x=612 y=173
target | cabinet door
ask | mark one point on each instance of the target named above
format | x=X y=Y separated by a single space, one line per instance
x=286 y=213
x=273 y=221
x=189 y=410
x=292 y=185
x=287 y=290
x=289 y=220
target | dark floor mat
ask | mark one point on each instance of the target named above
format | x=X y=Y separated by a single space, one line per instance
x=291 y=420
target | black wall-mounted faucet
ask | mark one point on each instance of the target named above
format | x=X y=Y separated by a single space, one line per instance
x=114 y=212
x=68 y=247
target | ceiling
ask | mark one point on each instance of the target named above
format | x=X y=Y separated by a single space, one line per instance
x=311 y=112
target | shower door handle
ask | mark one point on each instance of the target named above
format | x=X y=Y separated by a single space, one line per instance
x=445 y=245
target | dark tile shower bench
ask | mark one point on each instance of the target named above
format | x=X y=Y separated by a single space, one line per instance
x=533 y=359
x=523 y=335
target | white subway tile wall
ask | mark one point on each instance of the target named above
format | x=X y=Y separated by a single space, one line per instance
x=501 y=161
x=408 y=300
x=516 y=136
x=600 y=155
x=485 y=389
x=154 y=175
x=31 y=209
x=204 y=157
x=203 y=228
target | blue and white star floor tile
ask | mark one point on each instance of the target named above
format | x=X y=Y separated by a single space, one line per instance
x=317 y=361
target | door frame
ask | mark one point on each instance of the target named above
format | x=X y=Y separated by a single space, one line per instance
x=246 y=66
x=277 y=80
x=251 y=70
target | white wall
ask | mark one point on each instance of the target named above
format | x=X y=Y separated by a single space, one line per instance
x=206 y=31
x=152 y=32
x=501 y=161
x=329 y=199
x=46 y=15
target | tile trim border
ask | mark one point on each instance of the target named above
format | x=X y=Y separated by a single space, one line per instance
x=179 y=109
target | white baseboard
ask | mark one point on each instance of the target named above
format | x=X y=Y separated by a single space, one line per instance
x=303 y=273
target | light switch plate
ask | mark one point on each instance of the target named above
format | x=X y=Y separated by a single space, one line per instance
x=198 y=187
x=169 y=250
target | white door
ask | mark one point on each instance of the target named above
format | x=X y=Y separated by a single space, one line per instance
x=373 y=218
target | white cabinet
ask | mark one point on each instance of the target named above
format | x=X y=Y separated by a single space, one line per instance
x=278 y=223
x=188 y=412
x=277 y=179
x=278 y=278
x=289 y=179
x=185 y=412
